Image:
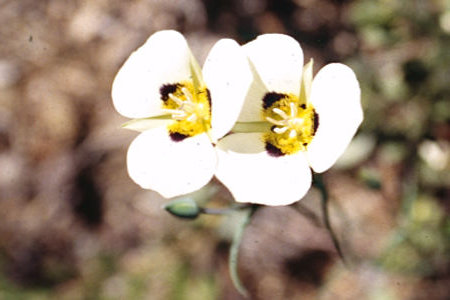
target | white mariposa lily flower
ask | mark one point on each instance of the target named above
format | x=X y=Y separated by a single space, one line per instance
x=311 y=123
x=181 y=109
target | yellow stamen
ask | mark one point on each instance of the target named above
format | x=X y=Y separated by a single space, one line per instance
x=293 y=124
x=189 y=107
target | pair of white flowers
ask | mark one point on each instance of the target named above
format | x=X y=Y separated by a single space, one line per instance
x=253 y=117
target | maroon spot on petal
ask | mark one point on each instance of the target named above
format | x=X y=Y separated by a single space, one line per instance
x=177 y=137
x=167 y=89
x=271 y=98
x=303 y=106
x=273 y=150
x=316 y=123
x=208 y=97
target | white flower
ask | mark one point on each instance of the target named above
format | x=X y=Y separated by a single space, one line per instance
x=311 y=124
x=182 y=109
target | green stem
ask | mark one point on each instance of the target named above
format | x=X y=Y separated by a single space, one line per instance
x=307 y=213
x=318 y=182
x=223 y=211
x=234 y=250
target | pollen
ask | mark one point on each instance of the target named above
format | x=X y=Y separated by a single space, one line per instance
x=294 y=125
x=190 y=108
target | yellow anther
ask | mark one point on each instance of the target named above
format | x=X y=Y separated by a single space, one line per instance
x=190 y=108
x=293 y=127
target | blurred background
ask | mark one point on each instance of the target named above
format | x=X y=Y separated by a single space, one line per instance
x=74 y=226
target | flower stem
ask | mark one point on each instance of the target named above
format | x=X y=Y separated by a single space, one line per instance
x=319 y=183
x=234 y=250
x=223 y=211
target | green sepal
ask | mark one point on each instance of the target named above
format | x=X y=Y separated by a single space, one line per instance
x=248 y=127
x=185 y=208
x=196 y=73
x=146 y=123
x=307 y=79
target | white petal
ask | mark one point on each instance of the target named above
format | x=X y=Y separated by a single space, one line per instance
x=228 y=77
x=164 y=58
x=254 y=176
x=171 y=168
x=252 y=109
x=335 y=95
x=278 y=59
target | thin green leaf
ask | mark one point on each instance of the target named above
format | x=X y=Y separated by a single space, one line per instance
x=318 y=182
x=234 y=251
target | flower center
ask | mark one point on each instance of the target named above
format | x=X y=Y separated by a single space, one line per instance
x=190 y=108
x=294 y=124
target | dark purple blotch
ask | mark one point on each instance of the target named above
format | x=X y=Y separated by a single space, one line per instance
x=273 y=150
x=270 y=98
x=177 y=137
x=316 y=123
x=167 y=89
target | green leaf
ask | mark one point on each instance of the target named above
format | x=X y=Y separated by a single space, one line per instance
x=234 y=250
x=319 y=184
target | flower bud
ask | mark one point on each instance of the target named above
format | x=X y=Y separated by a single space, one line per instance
x=185 y=208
